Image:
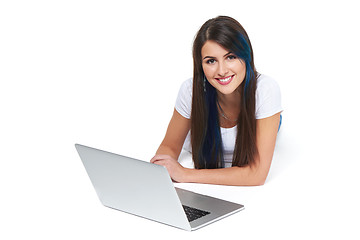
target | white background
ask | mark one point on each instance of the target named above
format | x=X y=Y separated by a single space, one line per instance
x=106 y=74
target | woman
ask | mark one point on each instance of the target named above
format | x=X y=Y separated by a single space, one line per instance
x=232 y=111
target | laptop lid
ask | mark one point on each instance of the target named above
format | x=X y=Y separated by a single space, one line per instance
x=133 y=186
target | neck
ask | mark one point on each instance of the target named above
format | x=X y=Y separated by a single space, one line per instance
x=230 y=100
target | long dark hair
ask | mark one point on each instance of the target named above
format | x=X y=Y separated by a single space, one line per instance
x=207 y=148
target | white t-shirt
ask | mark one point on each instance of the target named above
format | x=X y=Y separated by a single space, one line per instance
x=268 y=103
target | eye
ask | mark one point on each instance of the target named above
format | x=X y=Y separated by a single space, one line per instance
x=231 y=57
x=210 y=61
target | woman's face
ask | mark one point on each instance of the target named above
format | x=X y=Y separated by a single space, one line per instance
x=223 y=69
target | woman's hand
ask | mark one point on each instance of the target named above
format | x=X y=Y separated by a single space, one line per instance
x=176 y=171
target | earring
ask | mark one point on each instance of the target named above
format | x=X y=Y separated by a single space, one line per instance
x=204 y=82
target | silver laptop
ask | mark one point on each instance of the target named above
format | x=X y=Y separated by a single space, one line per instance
x=146 y=190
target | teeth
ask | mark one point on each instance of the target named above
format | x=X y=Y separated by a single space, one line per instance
x=225 y=79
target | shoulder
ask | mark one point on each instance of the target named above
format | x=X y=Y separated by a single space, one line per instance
x=266 y=83
x=187 y=85
x=268 y=97
x=184 y=98
x=186 y=88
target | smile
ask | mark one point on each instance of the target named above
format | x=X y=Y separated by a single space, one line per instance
x=225 y=81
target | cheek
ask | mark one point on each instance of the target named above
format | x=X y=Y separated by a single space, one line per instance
x=208 y=71
x=240 y=69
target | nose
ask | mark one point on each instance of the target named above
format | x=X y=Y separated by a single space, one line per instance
x=222 y=69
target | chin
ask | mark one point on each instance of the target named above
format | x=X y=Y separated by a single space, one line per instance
x=228 y=90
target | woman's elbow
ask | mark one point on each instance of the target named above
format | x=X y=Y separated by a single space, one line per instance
x=255 y=183
x=249 y=183
x=260 y=182
x=257 y=178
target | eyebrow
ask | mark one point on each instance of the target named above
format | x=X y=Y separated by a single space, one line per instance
x=215 y=57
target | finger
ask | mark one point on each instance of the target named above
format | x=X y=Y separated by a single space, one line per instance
x=155 y=159
x=159 y=157
x=160 y=162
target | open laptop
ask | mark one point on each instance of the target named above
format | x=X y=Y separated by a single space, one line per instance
x=146 y=190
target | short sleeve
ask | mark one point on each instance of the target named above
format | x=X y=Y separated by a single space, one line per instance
x=268 y=97
x=184 y=99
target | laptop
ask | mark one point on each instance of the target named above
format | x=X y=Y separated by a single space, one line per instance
x=146 y=190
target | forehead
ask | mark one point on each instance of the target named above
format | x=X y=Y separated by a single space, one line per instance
x=212 y=48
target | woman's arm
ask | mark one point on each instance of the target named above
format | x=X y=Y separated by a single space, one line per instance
x=178 y=128
x=241 y=176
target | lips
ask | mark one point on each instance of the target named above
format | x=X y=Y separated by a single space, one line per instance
x=225 y=80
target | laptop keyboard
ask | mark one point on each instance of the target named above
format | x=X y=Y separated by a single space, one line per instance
x=194 y=213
